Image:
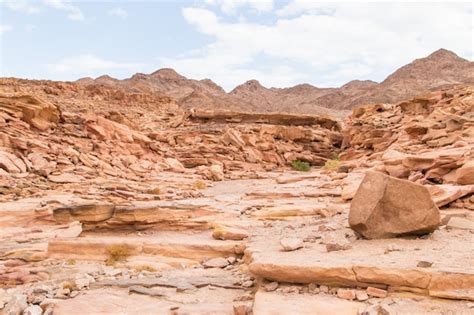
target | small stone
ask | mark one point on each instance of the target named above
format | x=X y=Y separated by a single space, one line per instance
x=74 y=230
x=286 y=290
x=247 y=284
x=82 y=283
x=218 y=262
x=361 y=295
x=113 y=272
x=16 y=305
x=272 y=286
x=324 y=288
x=391 y=248
x=62 y=293
x=346 y=294
x=231 y=260
x=74 y=294
x=332 y=247
x=244 y=297
x=33 y=310
x=290 y=244
x=424 y=264
x=380 y=293
x=227 y=233
x=313 y=287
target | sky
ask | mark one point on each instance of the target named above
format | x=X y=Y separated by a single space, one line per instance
x=279 y=43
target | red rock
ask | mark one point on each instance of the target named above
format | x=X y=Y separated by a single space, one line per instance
x=346 y=294
x=375 y=292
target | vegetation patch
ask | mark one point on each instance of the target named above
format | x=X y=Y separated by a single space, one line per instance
x=301 y=166
x=333 y=163
x=117 y=253
x=68 y=285
x=200 y=185
x=145 y=268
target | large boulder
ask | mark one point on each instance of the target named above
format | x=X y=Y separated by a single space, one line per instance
x=385 y=207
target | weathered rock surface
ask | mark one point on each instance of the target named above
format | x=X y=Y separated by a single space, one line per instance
x=386 y=207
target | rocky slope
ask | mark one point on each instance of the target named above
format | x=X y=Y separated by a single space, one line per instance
x=441 y=68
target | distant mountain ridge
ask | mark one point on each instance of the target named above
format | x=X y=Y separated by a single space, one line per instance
x=439 y=69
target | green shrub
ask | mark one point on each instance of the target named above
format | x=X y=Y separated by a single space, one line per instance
x=301 y=166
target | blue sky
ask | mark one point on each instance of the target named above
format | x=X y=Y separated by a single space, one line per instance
x=279 y=43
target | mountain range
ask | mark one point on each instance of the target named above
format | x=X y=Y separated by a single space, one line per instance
x=440 y=69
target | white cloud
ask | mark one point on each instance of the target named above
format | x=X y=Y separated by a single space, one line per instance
x=118 y=12
x=73 y=12
x=20 y=6
x=231 y=6
x=327 y=43
x=90 y=65
x=30 y=7
x=5 y=28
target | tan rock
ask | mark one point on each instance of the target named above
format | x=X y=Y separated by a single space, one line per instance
x=290 y=244
x=346 y=294
x=217 y=172
x=386 y=207
x=10 y=163
x=223 y=232
x=66 y=178
x=465 y=174
x=456 y=223
x=376 y=292
x=175 y=165
x=73 y=230
x=361 y=295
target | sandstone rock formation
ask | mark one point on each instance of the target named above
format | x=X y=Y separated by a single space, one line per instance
x=386 y=207
x=117 y=197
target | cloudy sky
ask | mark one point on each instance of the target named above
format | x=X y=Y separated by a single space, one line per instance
x=279 y=43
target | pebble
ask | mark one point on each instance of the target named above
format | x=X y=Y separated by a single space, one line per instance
x=291 y=244
x=272 y=286
x=380 y=293
x=218 y=262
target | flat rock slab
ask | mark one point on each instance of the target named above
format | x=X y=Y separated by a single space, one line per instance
x=387 y=263
x=190 y=246
x=272 y=303
x=184 y=279
x=275 y=303
x=121 y=301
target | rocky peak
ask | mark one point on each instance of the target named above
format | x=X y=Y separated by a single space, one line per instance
x=167 y=74
x=249 y=86
x=105 y=79
x=444 y=54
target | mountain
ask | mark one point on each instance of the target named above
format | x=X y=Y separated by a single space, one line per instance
x=442 y=68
